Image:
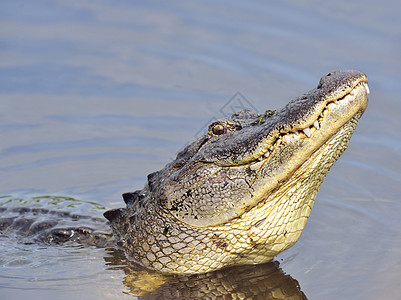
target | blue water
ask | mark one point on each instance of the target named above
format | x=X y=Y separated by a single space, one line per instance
x=96 y=95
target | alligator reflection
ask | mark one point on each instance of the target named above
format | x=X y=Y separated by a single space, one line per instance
x=266 y=281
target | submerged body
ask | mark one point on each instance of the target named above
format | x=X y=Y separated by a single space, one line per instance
x=29 y=225
x=243 y=192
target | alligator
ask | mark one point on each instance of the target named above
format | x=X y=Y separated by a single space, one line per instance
x=239 y=195
x=242 y=192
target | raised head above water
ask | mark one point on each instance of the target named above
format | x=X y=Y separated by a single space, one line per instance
x=242 y=192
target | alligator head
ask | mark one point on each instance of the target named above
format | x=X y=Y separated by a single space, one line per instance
x=242 y=192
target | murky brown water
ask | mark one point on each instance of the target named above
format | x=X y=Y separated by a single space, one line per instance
x=96 y=95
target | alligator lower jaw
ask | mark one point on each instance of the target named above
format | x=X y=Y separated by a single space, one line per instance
x=299 y=190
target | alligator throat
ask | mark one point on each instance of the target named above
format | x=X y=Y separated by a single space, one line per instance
x=242 y=193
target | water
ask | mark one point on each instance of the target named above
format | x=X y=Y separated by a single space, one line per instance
x=96 y=95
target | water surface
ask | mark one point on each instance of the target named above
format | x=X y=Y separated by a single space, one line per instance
x=96 y=95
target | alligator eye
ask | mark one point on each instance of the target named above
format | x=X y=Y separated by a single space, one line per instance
x=218 y=129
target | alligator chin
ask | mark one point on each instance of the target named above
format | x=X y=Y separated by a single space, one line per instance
x=242 y=192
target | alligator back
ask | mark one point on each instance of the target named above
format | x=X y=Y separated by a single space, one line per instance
x=41 y=225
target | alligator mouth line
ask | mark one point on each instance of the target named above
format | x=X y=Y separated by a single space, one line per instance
x=307 y=132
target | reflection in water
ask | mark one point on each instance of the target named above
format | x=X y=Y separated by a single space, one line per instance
x=266 y=281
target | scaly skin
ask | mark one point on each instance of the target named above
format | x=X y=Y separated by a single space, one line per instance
x=28 y=225
x=243 y=192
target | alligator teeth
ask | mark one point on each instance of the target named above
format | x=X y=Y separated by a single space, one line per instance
x=265 y=155
x=316 y=124
x=352 y=92
x=366 y=88
x=365 y=85
x=286 y=138
x=307 y=131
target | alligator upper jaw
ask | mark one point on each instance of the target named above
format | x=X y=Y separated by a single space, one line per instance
x=300 y=115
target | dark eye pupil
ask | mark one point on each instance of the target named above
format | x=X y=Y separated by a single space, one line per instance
x=218 y=129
